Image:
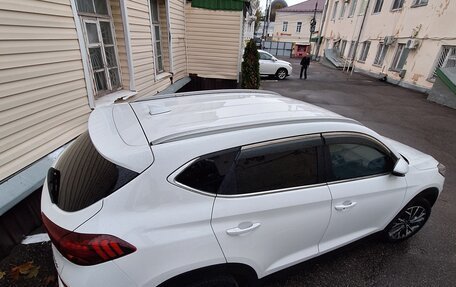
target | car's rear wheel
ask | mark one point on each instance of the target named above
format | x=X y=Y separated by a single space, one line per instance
x=216 y=281
x=409 y=220
x=281 y=73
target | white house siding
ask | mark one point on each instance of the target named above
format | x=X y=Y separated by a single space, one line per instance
x=142 y=49
x=43 y=99
x=177 y=19
x=429 y=24
x=213 y=42
x=120 y=39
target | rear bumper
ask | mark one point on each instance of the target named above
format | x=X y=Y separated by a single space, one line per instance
x=104 y=274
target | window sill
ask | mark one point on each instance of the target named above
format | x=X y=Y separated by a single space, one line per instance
x=162 y=76
x=396 y=10
x=360 y=61
x=418 y=5
x=377 y=65
x=110 y=99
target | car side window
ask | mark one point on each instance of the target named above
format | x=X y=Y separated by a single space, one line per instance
x=264 y=56
x=351 y=160
x=272 y=167
x=207 y=173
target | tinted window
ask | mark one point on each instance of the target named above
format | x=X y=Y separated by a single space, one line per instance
x=207 y=173
x=272 y=167
x=82 y=176
x=355 y=160
x=264 y=56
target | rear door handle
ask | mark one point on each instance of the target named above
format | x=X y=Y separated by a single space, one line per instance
x=243 y=228
x=345 y=205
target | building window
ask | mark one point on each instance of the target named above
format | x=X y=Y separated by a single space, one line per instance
x=342 y=48
x=352 y=8
x=342 y=10
x=378 y=6
x=298 y=27
x=399 y=57
x=335 y=10
x=397 y=4
x=446 y=59
x=417 y=3
x=364 y=51
x=285 y=26
x=101 y=45
x=157 y=36
x=351 y=51
x=362 y=7
x=381 y=52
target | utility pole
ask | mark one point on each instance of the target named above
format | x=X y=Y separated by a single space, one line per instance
x=313 y=22
x=265 y=20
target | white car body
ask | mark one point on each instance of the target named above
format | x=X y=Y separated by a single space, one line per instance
x=177 y=229
x=271 y=66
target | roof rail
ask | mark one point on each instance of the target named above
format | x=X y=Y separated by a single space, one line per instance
x=249 y=125
x=206 y=92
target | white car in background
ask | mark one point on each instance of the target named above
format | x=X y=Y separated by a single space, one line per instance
x=221 y=188
x=271 y=66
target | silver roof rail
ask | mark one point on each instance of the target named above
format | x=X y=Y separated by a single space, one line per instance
x=228 y=128
x=206 y=92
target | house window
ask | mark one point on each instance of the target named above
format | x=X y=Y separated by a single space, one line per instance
x=364 y=51
x=417 y=3
x=298 y=27
x=399 y=57
x=101 y=46
x=342 y=10
x=157 y=36
x=362 y=7
x=446 y=59
x=335 y=10
x=378 y=6
x=285 y=26
x=352 y=8
x=397 y=4
x=381 y=52
x=351 y=51
x=342 y=48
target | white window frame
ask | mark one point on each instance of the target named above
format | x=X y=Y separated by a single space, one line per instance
x=362 y=7
x=381 y=54
x=351 y=12
x=156 y=39
x=397 y=5
x=419 y=3
x=343 y=46
x=298 y=27
x=351 y=50
x=333 y=17
x=94 y=18
x=378 y=7
x=285 y=26
x=400 y=50
x=364 y=51
x=342 y=10
x=446 y=52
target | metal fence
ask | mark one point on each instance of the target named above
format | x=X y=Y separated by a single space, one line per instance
x=278 y=48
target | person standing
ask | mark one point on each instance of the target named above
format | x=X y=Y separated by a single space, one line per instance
x=305 y=62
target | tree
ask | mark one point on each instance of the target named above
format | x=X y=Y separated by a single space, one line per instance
x=259 y=18
x=276 y=5
x=251 y=67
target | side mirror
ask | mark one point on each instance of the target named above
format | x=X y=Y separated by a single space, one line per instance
x=273 y=59
x=401 y=167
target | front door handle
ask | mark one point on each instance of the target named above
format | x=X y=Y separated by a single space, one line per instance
x=345 y=205
x=243 y=228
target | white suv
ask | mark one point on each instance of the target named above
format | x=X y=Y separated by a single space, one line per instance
x=221 y=188
x=271 y=66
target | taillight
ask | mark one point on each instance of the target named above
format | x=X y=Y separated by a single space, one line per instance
x=86 y=249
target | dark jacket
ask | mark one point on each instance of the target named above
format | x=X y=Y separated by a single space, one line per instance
x=305 y=61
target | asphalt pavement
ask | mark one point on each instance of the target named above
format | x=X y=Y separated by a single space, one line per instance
x=428 y=258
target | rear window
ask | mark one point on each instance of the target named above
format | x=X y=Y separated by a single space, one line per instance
x=82 y=176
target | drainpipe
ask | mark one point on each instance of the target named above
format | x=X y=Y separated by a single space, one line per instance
x=321 y=29
x=359 y=35
x=170 y=41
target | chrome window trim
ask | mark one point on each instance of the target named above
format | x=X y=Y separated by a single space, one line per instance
x=357 y=178
x=281 y=140
x=272 y=191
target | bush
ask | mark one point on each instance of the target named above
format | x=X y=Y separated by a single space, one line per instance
x=251 y=67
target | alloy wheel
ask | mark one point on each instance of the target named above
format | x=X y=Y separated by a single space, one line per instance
x=408 y=222
x=281 y=74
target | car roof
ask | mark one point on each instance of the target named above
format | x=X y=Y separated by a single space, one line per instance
x=177 y=116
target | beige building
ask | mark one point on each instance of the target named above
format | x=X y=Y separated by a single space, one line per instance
x=292 y=24
x=59 y=59
x=406 y=41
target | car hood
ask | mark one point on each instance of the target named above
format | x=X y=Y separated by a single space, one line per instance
x=415 y=157
x=282 y=62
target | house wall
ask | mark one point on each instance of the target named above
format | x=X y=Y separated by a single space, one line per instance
x=43 y=99
x=121 y=47
x=429 y=24
x=177 y=19
x=213 y=42
x=293 y=18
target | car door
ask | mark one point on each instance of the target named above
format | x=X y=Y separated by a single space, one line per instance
x=273 y=208
x=266 y=64
x=365 y=194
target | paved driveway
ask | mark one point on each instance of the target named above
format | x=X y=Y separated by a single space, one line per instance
x=427 y=259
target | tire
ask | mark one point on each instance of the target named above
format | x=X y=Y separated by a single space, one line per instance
x=281 y=73
x=409 y=221
x=216 y=281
